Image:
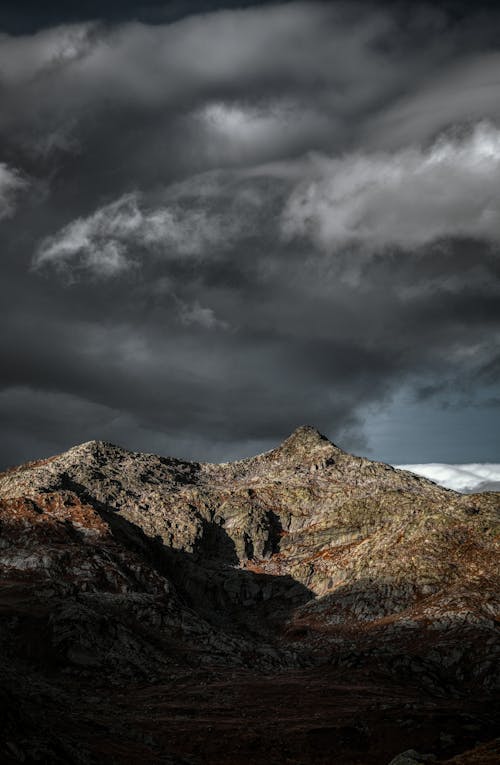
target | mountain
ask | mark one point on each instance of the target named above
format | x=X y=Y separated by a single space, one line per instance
x=301 y=606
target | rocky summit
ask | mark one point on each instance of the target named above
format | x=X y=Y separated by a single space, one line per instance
x=301 y=606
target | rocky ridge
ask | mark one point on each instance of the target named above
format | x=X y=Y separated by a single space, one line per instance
x=304 y=567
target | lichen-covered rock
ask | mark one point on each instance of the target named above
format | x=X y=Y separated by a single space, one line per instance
x=373 y=545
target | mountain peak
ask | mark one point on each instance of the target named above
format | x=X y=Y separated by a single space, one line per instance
x=95 y=448
x=306 y=443
x=305 y=435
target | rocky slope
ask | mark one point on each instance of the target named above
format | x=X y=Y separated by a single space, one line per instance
x=157 y=610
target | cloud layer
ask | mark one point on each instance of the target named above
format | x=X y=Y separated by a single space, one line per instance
x=250 y=219
x=404 y=201
x=463 y=478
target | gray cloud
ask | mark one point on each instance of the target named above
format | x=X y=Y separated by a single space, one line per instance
x=11 y=183
x=463 y=92
x=405 y=200
x=249 y=221
x=222 y=88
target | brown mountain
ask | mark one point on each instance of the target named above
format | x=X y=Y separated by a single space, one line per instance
x=301 y=606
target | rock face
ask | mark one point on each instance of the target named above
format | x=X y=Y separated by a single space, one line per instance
x=302 y=571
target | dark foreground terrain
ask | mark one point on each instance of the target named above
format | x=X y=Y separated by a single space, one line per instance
x=303 y=606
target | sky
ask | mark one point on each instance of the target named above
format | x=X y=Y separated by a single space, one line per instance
x=223 y=220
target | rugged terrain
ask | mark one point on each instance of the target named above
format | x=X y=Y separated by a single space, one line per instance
x=302 y=606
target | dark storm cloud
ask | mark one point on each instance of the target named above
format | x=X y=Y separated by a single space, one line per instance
x=221 y=226
x=32 y=15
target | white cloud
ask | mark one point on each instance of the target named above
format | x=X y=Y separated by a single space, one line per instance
x=11 y=183
x=404 y=199
x=465 y=478
x=109 y=241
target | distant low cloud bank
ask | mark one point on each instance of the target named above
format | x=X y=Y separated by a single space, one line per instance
x=465 y=478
